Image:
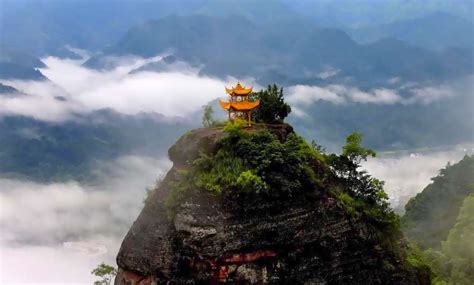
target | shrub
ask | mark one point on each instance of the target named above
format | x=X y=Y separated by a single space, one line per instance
x=179 y=189
x=105 y=272
x=415 y=257
x=207 y=116
x=214 y=173
x=247 y=182
x=235 y=127
x=151 y=189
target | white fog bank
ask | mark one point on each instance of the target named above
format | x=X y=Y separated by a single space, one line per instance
x=57 y=233
x=74 y=89
x=408 y=174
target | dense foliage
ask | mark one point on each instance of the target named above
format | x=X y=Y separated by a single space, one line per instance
x=454 y=262
x=432 y=213
x=255 y=164
x=273 y=108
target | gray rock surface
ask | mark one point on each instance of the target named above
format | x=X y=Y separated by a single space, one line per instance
x=314 y=241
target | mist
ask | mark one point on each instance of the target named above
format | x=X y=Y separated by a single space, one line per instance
x=408 y=174
x=178 y=89
x=61 y=231
x=72 y=89
x=302 y=96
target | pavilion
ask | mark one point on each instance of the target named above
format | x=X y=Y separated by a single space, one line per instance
x=239 y=105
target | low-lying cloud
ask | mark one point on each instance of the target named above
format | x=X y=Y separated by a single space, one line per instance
x=133 y=85
x=61 y=231
x=406 y=175
x=339 y=94
x=73 y=88
x=300 y=96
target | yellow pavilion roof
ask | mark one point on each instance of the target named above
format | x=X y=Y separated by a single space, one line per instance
x=239 y=106
x=238 y=90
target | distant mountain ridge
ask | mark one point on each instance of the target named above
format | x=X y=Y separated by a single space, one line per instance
x=47 y=152
x=44 y=27
x=437 y=31
x=364 y=13
x=15 y=64
x=236 y=46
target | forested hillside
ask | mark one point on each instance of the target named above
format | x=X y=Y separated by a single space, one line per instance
x=431 y=214
x=452 y=264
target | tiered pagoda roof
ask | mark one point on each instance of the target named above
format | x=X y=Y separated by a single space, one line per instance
x=239 y=105
x=238 y=90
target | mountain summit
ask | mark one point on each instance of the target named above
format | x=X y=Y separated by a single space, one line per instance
x=260 y=205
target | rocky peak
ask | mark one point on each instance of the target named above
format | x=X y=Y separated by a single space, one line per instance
x=205 y=140
x=310 y=240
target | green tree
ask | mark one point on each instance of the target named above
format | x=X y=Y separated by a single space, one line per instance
x=354 y=150
x=273 y=108
x=367 y=190
x=105 y=272
x=347 y=164
x=207 y=116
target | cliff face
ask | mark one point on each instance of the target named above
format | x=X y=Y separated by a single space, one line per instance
x=304 y=241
